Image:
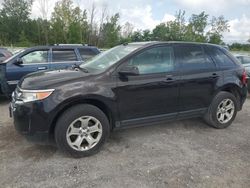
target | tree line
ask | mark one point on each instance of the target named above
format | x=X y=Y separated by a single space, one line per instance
x=71 y=24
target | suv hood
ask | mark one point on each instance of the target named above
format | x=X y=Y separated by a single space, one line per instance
x=47 y=79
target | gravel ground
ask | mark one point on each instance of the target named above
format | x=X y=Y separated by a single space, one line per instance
x=176 y=154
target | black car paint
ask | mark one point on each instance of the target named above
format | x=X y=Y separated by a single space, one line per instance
x=128 y=101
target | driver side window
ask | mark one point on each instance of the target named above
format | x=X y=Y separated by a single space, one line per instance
x=154 y=60
x=35 y=57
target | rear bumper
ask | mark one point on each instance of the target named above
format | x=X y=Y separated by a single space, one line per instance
x=248 y=85
x=243 y=97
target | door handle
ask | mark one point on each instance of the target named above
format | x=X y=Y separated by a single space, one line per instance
x=214 y=75
x=41 y=68
x=169 y=78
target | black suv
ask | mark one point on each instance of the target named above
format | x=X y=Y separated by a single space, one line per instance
x=41 y=58
x=129 y=85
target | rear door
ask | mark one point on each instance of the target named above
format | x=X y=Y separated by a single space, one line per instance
x=198 y=78
x=62 y=58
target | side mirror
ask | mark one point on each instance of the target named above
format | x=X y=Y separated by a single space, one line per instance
x=18 y=61
x=129 y=71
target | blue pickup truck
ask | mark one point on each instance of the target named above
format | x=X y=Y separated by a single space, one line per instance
x=41 y=58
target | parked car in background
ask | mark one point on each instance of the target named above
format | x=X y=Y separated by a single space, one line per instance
x=39 y=59
x=4 y=54
x=129 y=85
x=245 y=61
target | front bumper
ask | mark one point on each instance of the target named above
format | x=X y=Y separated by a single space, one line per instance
x=31 y=120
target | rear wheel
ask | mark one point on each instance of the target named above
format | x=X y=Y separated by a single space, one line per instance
x=222 y=110
x=81 y=130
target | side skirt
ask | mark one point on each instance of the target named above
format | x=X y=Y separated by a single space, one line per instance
x=151 y=120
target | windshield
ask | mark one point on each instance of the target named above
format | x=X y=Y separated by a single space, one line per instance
x=106 y=59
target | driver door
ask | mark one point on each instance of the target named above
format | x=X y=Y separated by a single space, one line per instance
x=153 y=94
x=32 y=61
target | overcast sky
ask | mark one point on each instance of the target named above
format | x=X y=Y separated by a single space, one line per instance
x=146 y=14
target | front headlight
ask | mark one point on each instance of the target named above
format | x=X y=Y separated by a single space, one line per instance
x=34 y=95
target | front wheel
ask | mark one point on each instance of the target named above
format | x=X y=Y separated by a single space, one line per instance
x=222 y=110
x=81 y=130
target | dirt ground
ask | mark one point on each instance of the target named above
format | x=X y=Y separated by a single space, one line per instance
x=176 y=154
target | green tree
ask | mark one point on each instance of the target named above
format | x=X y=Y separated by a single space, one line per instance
x=111 y=31
x=147 y=36
x=172 y=30
x=69 y=23
x=137 y=36
x=196 y=27
x=160 y=32
x=13 y=15
x=23 y=41
x=218 y=27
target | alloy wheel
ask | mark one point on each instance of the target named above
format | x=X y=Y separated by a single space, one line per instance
x=84 y=133
x=225 y=111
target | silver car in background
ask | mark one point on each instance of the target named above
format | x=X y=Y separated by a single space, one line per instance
x=245 y=61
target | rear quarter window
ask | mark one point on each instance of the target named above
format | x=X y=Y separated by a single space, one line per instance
x=221 y=57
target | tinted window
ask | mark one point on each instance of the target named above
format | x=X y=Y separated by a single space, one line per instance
x=40 y=56
x=64 y=55
x=220 y=57
x=155 y=60
x=239 y=58
x=245 y=60
x=1 y=55
x=86 y=53
x=192 y=57
x=106 y=59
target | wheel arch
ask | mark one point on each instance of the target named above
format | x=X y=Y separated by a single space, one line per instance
x=233 y=89
x=76 y=101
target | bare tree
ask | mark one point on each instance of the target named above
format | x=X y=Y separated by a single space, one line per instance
x=103 y=16
x=92 y=18
x=43 y=6
x=127 y=29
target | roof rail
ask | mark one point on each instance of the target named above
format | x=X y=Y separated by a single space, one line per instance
x=71 y=45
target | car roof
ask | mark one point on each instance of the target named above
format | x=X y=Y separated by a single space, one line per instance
x=67 y=46
x=151 y=43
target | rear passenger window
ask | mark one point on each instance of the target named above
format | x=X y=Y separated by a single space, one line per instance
x=64 y=55
x=86 y=53
x=193 y=58
x=220 y=57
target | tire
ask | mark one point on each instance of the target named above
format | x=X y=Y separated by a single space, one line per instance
x=214 y=117
x=84 y=118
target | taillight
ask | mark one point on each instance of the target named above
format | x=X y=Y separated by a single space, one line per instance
x=244 y=77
